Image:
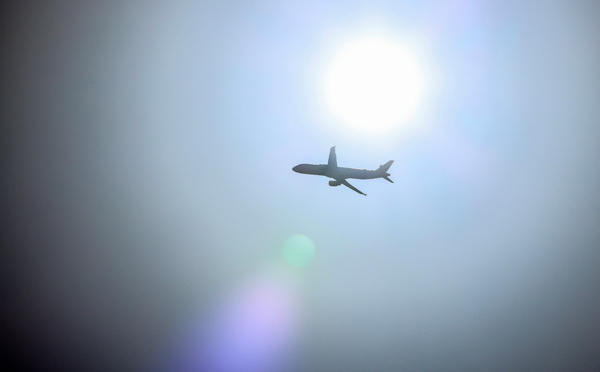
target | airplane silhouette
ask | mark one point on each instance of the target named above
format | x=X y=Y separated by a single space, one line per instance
x=340 y=174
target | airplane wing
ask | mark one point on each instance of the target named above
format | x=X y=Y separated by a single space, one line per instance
x=332 y=163
x=348 y=185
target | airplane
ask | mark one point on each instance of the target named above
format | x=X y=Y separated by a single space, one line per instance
x=340 y=174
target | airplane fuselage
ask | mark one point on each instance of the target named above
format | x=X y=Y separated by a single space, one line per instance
x=336 y=172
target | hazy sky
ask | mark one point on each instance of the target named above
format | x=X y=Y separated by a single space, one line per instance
x=147 y=189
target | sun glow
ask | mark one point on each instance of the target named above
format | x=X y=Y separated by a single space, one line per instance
x=374 y=85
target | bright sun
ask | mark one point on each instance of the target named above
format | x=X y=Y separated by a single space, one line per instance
x=374 y=84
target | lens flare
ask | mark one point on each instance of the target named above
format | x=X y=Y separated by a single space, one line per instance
x=298 y=250
x=254 y=330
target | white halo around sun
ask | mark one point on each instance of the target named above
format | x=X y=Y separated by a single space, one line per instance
x=374 y=84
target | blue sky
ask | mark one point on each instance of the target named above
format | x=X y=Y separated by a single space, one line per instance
x=149 y=150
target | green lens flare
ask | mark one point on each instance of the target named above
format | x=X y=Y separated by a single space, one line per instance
x=298 y=250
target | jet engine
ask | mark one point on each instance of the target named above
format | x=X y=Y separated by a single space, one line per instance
x=334 y=183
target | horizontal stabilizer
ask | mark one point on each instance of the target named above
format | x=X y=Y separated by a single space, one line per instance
x=387 y=179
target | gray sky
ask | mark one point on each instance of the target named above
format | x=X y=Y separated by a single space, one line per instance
x=147 y=191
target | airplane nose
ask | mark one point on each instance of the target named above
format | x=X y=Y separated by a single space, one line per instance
x=295 y=169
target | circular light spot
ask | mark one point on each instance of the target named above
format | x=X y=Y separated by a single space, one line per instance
x=374 y=84
x=298 y=250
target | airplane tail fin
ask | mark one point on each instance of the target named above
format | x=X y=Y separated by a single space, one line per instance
x=383 y=170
